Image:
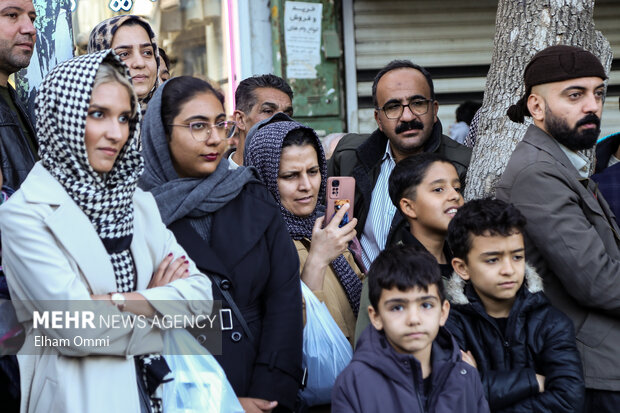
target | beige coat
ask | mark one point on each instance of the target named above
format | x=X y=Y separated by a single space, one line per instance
x=332 y=294
x=51 y=251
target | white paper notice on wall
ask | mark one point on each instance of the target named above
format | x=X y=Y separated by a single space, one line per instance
x=302 y=37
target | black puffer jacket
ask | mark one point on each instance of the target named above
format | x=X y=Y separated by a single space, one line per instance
x=16 y=157
x=539 y=339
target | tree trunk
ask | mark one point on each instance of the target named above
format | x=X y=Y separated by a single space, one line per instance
x=523 y=28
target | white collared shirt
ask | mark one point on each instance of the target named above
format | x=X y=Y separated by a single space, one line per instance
x=612 y=161
x=579 y=161
x=380 y=214
x=232 y=165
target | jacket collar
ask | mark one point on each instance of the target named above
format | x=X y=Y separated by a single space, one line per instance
x=374 y=350
x=83 y=245
x=372 y=150
x=43 y=188
x=456 y=287
x=547 y=143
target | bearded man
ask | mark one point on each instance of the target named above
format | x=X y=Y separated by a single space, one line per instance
x=571 y=235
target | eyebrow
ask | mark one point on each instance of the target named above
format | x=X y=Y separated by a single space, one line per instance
x=202 y=117
x=129 y=46
x=582 y=88
x=408 y=99
x=488 y=253
x=16 y=8
x=405 y=301
x=104 y=108
x=296 y=171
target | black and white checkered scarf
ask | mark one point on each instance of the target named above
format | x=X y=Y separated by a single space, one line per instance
x=61 y=110
x=107 y=199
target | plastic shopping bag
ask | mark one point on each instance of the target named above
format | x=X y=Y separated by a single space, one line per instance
x=199 y=383
x=326 y=350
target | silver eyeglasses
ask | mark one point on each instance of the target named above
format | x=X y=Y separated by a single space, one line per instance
x=201 y=130
x=394 y=110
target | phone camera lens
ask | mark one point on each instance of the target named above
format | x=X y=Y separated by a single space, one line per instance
x=335 y=182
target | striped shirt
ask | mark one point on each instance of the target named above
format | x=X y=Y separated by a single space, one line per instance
x=380 y=214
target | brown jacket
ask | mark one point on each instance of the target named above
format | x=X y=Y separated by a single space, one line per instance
x=573 y=241
x=332 y=294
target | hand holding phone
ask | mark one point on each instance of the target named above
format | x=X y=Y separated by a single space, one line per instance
x=340 y=191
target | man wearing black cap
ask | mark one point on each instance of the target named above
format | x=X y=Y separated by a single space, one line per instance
x=571 y=236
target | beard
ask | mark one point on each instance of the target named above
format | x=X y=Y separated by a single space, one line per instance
x=12 y=61
x=572 y=138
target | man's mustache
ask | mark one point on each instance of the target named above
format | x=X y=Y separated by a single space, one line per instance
x=411 y=125
x=590 y=118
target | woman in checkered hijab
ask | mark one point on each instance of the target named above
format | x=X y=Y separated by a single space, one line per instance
x=79 y=234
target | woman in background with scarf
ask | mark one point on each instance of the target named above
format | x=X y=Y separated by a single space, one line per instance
x=290 y=161
x=133 y=40
x=79 y=230
x=230 y=226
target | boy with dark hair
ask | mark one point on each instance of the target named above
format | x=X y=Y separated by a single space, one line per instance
x=426 y=190
x=406 y=361
x=523 y=347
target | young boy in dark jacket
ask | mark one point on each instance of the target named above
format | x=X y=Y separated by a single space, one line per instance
x=523 y=347
x=406 y=361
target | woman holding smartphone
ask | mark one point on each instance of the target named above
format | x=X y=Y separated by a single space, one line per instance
x=79 y=230
x=231 y=227
x=290 y=160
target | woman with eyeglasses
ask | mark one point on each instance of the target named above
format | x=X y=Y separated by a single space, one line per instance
x=232 y=229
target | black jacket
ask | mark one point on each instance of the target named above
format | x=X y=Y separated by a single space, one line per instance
x=16 y=157
x=539 y=339
x=381 y=380
x=608 y=178
x=359 y=156
x=253 y=253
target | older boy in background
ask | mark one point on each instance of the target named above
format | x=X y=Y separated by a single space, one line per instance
x=523 y=347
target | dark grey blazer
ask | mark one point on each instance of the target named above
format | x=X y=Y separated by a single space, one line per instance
x=573 y=241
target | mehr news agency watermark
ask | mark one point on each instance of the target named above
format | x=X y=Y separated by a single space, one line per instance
x=90 y=324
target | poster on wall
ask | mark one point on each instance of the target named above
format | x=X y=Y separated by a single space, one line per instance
x=302 y=38
x=54 y=44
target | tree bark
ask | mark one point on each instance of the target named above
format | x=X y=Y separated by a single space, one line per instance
x=523 y=28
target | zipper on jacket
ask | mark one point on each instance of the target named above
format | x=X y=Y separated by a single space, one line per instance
x=416 y=382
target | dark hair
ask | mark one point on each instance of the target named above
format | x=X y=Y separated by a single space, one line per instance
x=164 y=57
x=177 y=92
x=466 y=111
x=482 y=217
x=403 y=267
x=245 y=99
x=409 y=173
x=399 y=64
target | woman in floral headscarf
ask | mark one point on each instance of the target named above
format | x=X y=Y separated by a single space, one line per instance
x=133 y=40
x=79 y=235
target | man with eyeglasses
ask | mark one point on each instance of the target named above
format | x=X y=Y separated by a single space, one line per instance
x=406 y=115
